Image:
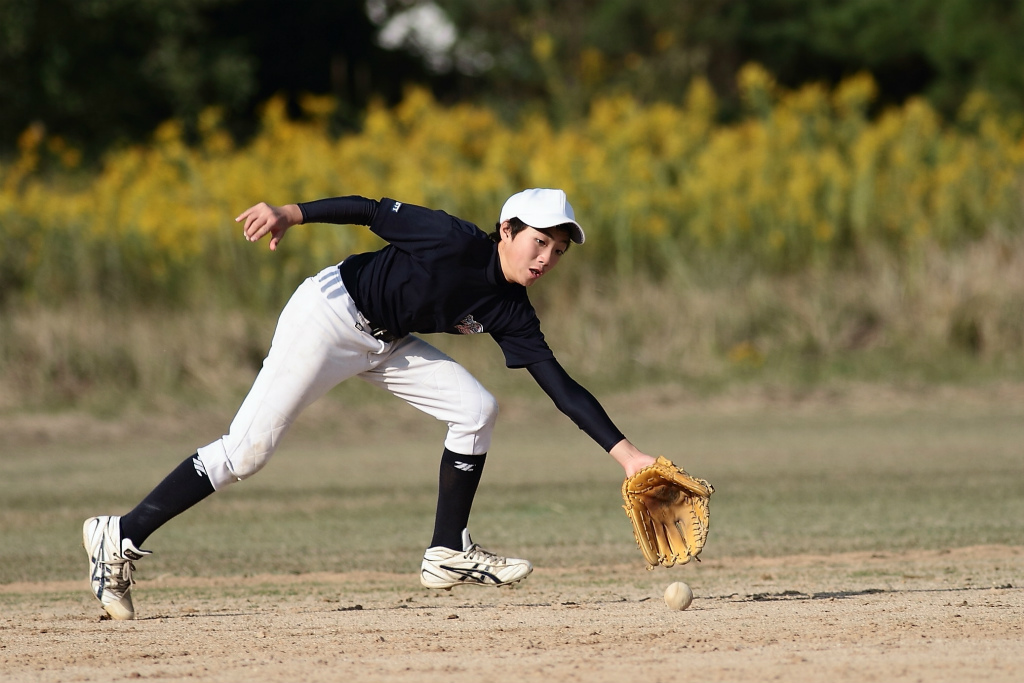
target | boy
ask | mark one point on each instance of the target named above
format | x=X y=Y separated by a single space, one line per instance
x=437 y=273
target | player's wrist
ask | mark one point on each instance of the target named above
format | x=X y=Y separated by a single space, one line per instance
x=294 y=214
x=631 y=458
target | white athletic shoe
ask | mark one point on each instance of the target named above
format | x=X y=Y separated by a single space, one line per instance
x=110 y=565
x=444 y=568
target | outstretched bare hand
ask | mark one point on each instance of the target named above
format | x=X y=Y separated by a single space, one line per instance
x=265 y=218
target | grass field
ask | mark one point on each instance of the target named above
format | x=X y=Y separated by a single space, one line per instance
x=350 y=490
x=866 y=535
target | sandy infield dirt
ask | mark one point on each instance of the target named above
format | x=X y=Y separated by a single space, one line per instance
x=950 y=615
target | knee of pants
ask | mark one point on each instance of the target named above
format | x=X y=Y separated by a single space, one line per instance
x=228 y=462
x=472 y=434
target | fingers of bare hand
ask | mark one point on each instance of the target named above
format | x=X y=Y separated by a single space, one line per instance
x=247 y=229
x=248 y=214
x=249 y=217
x=258 y=229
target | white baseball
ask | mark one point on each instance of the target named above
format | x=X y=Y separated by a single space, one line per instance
x=678 y=595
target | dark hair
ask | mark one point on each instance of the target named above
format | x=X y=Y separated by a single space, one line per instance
x=516 y=226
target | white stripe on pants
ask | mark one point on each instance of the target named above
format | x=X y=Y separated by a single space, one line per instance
x=315 y=347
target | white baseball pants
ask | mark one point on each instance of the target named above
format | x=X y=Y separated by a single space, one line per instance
x=315 y=347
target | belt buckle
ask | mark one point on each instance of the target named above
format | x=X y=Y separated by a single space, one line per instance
x=382 y=334
x=379 y=333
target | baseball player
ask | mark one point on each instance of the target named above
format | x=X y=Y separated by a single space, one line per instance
x=437 y=273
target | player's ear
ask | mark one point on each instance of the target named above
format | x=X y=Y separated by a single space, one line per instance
x=505 y=230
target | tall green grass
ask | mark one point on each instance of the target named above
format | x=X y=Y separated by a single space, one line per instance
x=942 y=317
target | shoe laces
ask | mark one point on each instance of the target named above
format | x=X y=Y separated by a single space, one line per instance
x=120 y=573
x=478 y=554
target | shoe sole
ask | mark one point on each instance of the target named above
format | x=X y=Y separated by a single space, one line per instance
x=508 y=584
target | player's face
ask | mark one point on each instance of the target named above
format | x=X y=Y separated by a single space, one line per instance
x=526 y=257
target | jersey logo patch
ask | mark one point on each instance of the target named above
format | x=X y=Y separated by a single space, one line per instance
x=469 y=326
x=395 y=207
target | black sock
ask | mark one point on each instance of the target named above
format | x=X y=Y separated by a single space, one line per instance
x=457 y=482
x=181 y=489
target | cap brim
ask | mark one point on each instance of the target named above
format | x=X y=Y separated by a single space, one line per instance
x=576 y=234
x=544 y=222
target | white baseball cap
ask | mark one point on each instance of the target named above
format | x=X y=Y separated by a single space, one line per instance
x=542 y=208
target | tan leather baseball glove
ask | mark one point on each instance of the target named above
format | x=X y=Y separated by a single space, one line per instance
x=669 y=512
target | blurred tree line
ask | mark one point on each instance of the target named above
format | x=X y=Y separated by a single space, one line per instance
x=105 y=72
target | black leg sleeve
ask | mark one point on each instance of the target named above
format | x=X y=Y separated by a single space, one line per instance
x=457 y=483
x=181 y=489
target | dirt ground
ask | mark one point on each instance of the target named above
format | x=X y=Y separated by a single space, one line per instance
x=950 y=615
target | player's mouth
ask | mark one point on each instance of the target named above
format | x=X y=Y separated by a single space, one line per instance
x=535 y=273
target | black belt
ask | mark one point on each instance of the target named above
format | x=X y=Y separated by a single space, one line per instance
x=377 y=331
x=363 y=324
x=382 y=334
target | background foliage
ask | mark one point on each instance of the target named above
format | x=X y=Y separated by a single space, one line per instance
x=783 y=190
x=801 y=241
x=804 y=177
